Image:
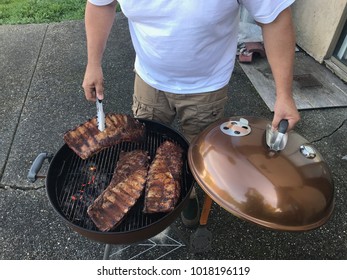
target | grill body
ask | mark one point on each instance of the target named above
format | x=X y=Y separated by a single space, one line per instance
x=72 y=184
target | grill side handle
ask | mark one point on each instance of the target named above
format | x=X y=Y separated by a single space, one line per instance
x=36 y=166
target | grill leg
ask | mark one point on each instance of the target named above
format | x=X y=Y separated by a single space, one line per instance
x=107 y=251
x=206 y=208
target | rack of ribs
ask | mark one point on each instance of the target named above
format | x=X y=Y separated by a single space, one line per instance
x=126 y=186
x=86 y=139
x=163 y=183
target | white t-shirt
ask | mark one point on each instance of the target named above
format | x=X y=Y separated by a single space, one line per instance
x=189 y=46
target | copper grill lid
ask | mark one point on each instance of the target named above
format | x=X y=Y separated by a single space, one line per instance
x=290 y=190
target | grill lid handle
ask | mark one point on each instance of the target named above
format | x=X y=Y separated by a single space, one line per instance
x=36 y=166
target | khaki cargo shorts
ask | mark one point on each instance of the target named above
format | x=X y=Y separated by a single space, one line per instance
x=194 y=112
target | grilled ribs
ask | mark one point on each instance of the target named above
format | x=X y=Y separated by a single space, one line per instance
x=163 y=186
x=126 y=186
x=86 y=139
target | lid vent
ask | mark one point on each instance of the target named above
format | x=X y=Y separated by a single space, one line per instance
x=236 y=128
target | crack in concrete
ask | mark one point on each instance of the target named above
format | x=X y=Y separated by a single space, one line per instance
x=14 y=187
x=24 y=102
x=331 y=133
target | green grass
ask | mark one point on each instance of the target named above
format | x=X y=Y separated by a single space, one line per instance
x=40 y=11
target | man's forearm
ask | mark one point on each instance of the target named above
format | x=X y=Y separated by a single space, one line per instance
x=279 y=42
x=98 y=23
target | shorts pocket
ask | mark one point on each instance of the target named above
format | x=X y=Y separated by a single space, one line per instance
x=197 y=118
x=209 y=113
x=141 y=110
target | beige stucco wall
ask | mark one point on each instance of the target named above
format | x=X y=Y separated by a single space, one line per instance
x=318 y=24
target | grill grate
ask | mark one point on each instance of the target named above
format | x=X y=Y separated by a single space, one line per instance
x=80 y=182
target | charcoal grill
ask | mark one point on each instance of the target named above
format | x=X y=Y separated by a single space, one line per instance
x=291 y=190
x=72 y=184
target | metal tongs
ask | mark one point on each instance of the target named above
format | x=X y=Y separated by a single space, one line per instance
x=100 y=115
x=277 y=139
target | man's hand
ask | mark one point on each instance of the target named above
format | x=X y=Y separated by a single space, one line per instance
x=93 y=83
x=285 y=108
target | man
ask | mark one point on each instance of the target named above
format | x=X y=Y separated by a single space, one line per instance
x=185 y=54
